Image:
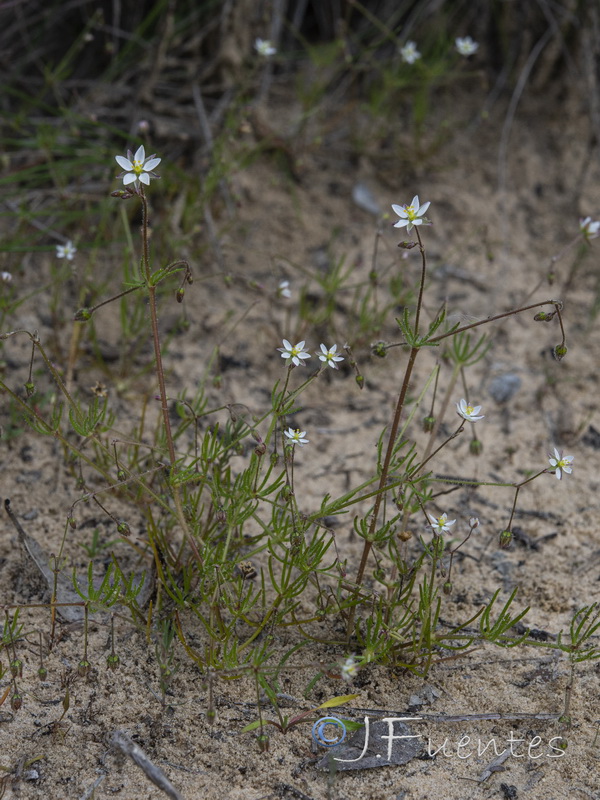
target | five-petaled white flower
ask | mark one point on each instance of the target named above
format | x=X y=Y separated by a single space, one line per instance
x=349 y=668
x=296 y=436
x=138 y=168
x=6 y=277
x=409 y=53
x=466 y=46
x=67 y=250
x=264 y=47
x=283 y=290
x=329 y=356
x=469 y=412
x=561 y=464
x=440 y=524
x=296 y=352
x=410 y=215
x=589 y=228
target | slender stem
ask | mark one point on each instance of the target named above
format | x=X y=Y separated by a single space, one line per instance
x=386 y=464
x=504 y=314
x=422 y=283
x=160 y=373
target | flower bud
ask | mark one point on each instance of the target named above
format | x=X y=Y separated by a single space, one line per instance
x=42 y=673
x=475 y=447
x=179 y=296
x=404 y=536
x=560 y=351
x=544 y=316
x=112 y=662
x=263 y=742
x=123 y=529
x=379 y=349
x=360 y=381
x=121 y=475
x=447 y=588
x=505 y=539
x=72 y=522
x=474 y=523
x=82 y=315
x=121 y=194
x=407 y=245
x=16 y=668
x=83 y=668
x=260 y=449
x=29 y=388
x=428 y=424
x=16 y=701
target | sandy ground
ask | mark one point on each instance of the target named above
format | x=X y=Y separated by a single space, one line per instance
x=488 y=249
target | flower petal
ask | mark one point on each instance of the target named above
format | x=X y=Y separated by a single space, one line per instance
x=140 y=154
x=124 y=163
x=129 y=178
x=152 y=164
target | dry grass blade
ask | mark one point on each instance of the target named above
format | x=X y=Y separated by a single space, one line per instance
x=152 y=772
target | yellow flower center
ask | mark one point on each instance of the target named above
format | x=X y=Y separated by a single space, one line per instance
x=138 y=167
x=470 y=409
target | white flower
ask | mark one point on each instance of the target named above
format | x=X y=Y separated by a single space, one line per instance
x=410 y=215
x=264 y=47
x=283 y=290
x=349 y=668
x=590 y=229
x=296 y=436
x=329 y=356
x=474 y=522
x=138 y=168
x=67 y=250
x=468 y=412
x=6 y=277
x=561 y=464
x=409 y=53
x=440 y=524
x=466 y=46
x=296 y=352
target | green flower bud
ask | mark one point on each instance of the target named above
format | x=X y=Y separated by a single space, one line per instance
x=560 y=351
x=428 y=424
x=112 y=662
x=83 y=315
x=505 y=539
x=84 y=668
x=16 y=668
x=124 y=529
x=476 y=447
x=263 y=742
